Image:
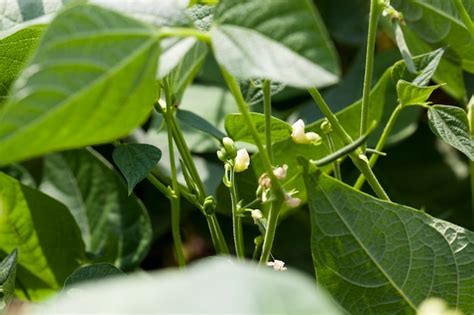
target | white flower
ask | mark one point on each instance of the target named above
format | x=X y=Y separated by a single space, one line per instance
x=435 y=306
x=299 y=136
x=280 y=172
x=291 y=201
x=242 y=161
x=256 y=215
x=277 y=265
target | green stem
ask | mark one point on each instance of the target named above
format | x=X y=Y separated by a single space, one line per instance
x=277 y=192
x=465 y=16
x=332 y=149
x=236 y=218
x=267 y=102
x=358 y=157
x=381 y=143
x=369 y=65
x=184 y=32
x=175 y=199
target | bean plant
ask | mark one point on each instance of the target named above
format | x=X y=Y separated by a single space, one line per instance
x=275 y=132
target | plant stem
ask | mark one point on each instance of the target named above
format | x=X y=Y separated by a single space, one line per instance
x=184 y=32
x=332 y=149
x=369 y=65
x=267 y=102
x=236 y=219
x=381 y=143
x=358 y=157
x=465 y=16
x=470 y=119
x=278 y=194
x=175 y=199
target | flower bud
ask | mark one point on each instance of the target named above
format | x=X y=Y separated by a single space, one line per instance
x=292 y=202
x=229 y=148
x=280 y=172
x=256 y=215
x=326 y=126
x=242 y=161
x=313 y=138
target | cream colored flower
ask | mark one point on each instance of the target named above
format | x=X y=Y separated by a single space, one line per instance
x=277 y=265
x=242 y=161
x=280 y=172
x=299 y=136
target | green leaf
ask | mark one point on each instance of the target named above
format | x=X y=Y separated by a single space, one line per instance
x=115 y=227
x=451 y=124
x=7 y=278
x=252 y=90
x=91 y=63
x=426 y=65
x=92 y=272
x=189 y=118
x=265 y=292
x=16 y=49
x=135 y=161
x=44 y=232
x=412 y=94
x=380 y=257
x=282 y=41
x=237 y=128
x=437 y=23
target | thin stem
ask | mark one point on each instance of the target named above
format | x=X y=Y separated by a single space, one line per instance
x=236 y=219
x=381 y=143
x=160 y=186
x=267 y=102
x=184 y=32
x=258 y=246
x=369 y=65
x=465 y=16
x=175 y=199
x=358 y=157
x=332 y=149
x=470 y=118
x=277 y=191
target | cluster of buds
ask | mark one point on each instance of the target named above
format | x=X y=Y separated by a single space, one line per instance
x=390 y=11
x=265 y=185
x=299 y=135
x=239 y=159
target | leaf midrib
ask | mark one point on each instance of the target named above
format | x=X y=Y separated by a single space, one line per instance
x=60 y=106
x=439 y=12
x=379 y=267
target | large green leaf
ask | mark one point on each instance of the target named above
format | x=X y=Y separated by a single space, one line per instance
x=437 y=22
x=48 y=239
x=7 y=278
x=15 y=49
x=282 y=41
x=115 y=227
x=135 y=161
x=93 y=69
x=213 y=286
x=383 y=258
x=451 y=124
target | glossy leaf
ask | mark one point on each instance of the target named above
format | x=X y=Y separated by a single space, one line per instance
x=404 y=257
x=265 y=292
x=90 y=63
x=7 y=278
x=237 y=128
x=135 y=161
x=282 y=41
x=189 y=118
x=91 y=273
x=412 y=94
x=451 y=124
x=426 y=65
x=115 y=227
x=44 y=232
x=16 y=49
